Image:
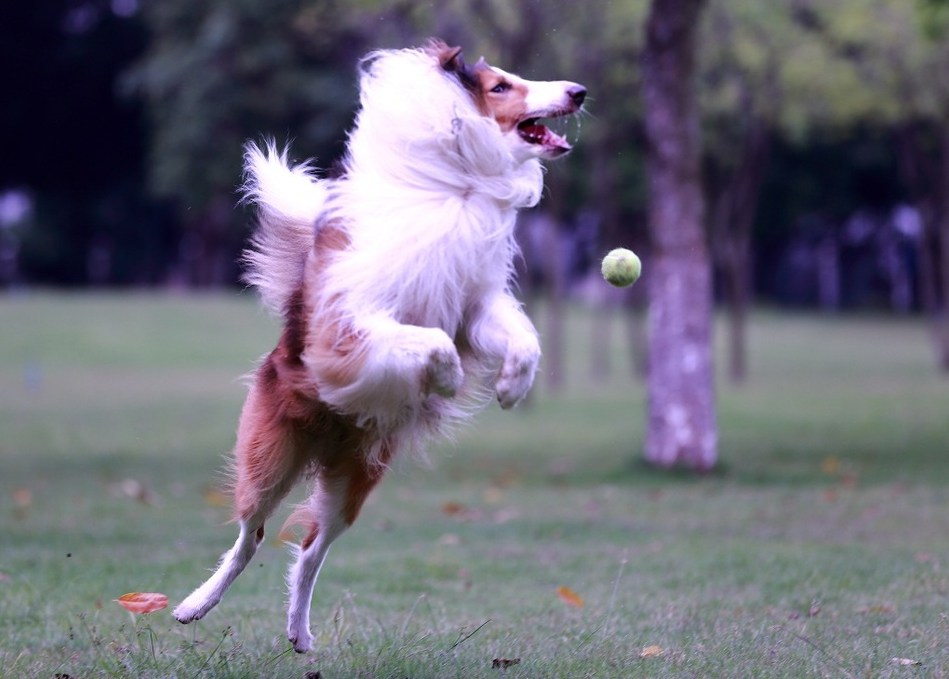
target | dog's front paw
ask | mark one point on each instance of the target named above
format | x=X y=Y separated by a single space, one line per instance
x=189 y=611
x=300 y=638
x=442 y=373
x=517 y=371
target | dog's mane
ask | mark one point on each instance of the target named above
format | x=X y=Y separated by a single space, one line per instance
x=429 y=191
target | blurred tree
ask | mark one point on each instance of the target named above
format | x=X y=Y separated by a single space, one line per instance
x=765 y=73
x=681 y=425
x=219 y=73
x=69 y=143
x=739 y=99
x=899 y=52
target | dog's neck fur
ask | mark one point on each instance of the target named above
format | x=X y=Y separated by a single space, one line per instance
x=429 y=194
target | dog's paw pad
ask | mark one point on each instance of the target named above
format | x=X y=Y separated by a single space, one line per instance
x=516 y=377
x=443 y=373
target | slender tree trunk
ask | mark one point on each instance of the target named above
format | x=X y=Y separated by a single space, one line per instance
x=737 y=276
x=941 y=321
x=928 y=183
x=733 y=196
x=681 y=426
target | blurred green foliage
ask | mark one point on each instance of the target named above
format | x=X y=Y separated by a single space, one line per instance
x=151 y=194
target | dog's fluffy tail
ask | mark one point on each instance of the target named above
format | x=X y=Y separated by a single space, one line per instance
x=289 y=200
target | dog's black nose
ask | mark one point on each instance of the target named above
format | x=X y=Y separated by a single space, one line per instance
x=578 y=93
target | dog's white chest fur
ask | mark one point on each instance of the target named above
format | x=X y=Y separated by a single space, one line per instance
x=425 y=259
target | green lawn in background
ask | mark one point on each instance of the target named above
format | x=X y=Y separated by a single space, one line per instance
x=818 y=549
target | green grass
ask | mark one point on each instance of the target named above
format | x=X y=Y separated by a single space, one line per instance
x=819 y=548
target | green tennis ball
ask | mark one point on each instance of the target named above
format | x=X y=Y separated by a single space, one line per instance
x=621 y=267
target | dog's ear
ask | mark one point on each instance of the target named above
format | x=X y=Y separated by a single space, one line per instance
x=449 y=58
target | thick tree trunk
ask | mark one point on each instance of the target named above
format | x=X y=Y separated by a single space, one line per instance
x=681 y=426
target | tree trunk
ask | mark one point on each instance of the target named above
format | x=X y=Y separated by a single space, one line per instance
x=732 y=219
x=941 y=322
x=737 y=276
x=681 y=426
x=928 y=184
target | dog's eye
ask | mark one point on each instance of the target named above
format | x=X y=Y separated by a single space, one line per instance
x=501 y=87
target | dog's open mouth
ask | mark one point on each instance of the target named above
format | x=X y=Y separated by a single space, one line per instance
x=533 y=132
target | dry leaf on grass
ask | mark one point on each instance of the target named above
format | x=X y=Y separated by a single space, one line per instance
x=142 y=602
x=214 y=497
x=568 y=596
x=905 y=661
x=23 y=501
x=452 y=508
x=504 y=663
x=652 y=652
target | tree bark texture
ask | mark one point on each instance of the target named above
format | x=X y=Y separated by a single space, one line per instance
x=681 y=426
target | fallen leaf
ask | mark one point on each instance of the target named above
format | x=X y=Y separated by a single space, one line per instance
x=23 y=500
x=504 y=663
x=568 y=596
x=830 y=465
x=453 y=508
x=133 y=489
x=213 y=497
x=493 y=495
x=449 y=540
x=905 y=661
x=880 y=609
x=652 y=652
x=142 y=602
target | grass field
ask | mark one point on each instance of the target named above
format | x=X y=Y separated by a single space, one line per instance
x=820 y=548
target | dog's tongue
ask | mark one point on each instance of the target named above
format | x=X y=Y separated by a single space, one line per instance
x=535 y=133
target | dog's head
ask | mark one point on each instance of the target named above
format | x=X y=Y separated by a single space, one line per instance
x=516 y=104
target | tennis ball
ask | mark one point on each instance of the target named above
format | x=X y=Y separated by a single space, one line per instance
x=621 y=267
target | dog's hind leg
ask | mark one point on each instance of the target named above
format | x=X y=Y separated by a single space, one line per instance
x=339 y=493
x=267 y=465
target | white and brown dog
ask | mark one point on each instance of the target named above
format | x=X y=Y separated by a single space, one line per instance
x=393 y=281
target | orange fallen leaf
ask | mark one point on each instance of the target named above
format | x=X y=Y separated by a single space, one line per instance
x=879 y=609
x=452 y=508
x=568 y=596
x=214 y=497
x=23 y=500
x=142 y=602
x=652 y=652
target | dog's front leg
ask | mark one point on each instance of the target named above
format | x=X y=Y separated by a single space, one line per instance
x=500 y=330
x=389 y=367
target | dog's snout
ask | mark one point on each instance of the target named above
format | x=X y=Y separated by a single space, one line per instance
x=577 y=94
